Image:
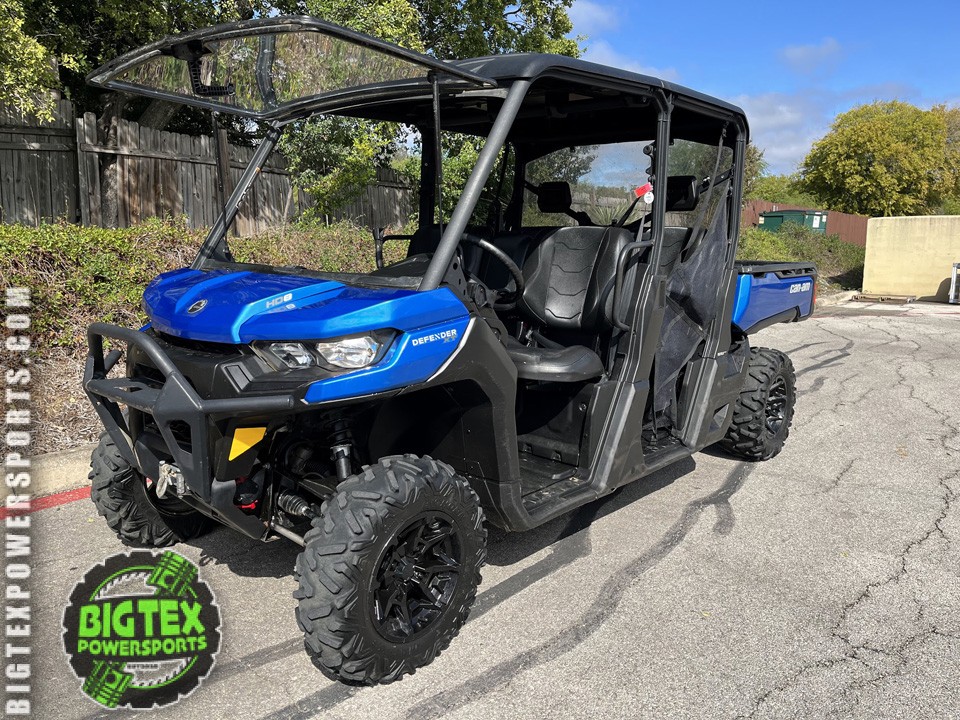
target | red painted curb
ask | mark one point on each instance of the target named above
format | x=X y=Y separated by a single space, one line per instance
x=47 y=502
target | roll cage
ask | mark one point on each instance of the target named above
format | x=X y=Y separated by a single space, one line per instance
x=239 y=68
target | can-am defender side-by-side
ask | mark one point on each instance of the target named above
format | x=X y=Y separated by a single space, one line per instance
x=535 y=350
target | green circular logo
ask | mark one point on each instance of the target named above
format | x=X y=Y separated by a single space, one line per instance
x=141 y=630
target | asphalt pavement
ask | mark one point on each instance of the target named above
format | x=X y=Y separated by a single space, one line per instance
x=824 y=583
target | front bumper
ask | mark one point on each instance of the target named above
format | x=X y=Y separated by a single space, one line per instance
x=183 y=419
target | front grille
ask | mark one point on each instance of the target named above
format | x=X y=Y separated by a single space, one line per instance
x=148 y=374
x=200 y=346
x=180 y=430
x=200 y=363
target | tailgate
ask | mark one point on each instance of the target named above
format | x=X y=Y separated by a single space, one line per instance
x=773 y=292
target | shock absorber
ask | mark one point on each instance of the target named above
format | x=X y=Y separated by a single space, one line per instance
x=341 y=448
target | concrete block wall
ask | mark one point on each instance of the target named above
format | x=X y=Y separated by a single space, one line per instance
x=911 y=256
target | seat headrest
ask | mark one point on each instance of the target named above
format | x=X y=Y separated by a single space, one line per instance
x=554 y=197
x=683 y=193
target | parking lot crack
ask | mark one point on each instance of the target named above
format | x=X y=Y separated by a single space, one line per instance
x=863 y=652
x=837 y=479
x=950 y=427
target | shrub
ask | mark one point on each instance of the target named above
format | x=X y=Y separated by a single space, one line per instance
x=83 y=274
x=840 y=263
x=79 y=275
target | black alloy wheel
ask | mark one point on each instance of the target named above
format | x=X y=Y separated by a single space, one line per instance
x=776 y=405
x=417 y=577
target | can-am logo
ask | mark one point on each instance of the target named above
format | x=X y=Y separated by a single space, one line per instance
x=800 y=287
x=445 y=336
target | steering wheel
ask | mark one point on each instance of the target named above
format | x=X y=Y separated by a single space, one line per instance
x=507 y=300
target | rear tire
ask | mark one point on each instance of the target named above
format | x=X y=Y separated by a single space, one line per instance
x=390 y=570
x=764 y=411
x=133 y=512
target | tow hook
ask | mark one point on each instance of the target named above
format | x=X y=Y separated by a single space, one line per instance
x=170 y=476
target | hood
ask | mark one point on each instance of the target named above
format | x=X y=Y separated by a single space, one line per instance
x=240 y=307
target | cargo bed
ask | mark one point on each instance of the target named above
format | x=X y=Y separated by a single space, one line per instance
x=770 y=292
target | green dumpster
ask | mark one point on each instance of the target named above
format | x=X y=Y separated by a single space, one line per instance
x=816 y=220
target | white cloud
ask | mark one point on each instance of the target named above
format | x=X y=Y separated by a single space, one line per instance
x=600 y=51
x=785 y=125
x=591 y=17
x=813 y=59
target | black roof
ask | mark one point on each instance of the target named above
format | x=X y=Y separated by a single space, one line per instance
x=516 y=66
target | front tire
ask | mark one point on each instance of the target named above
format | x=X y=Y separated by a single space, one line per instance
x=764 y=411
x=390 y=570
x=134 y=512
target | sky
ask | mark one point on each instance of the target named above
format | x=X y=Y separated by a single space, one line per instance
x=791 y=66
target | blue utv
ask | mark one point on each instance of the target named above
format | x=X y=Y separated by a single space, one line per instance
x=575 y=323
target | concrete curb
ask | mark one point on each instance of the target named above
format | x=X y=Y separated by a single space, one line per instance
x=58 y=471
x=836 y=298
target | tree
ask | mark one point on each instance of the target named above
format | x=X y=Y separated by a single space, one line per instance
x=28 y=69
x=461 y=28
x=951 y=118
x=568 y=165
x=782 y=189
x=335 y=158
x=94 y=32
x=753 y=168
x=881 y=159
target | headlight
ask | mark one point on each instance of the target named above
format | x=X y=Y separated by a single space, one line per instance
x=350 y=353
x=287 y=355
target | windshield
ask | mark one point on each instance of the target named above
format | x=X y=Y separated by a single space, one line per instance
x=264 y=72
x=272 y=68
x=596 y=185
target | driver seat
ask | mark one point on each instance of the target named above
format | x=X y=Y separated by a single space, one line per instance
x=570 y=277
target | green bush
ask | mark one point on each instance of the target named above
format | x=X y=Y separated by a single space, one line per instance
x=341 y=247
x=82 y=274
x=840 y=263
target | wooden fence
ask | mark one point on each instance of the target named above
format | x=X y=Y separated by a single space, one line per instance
x=163 y=174
x=850 y=228
x=53 y=170
x=388 y=202
x=38 y=167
